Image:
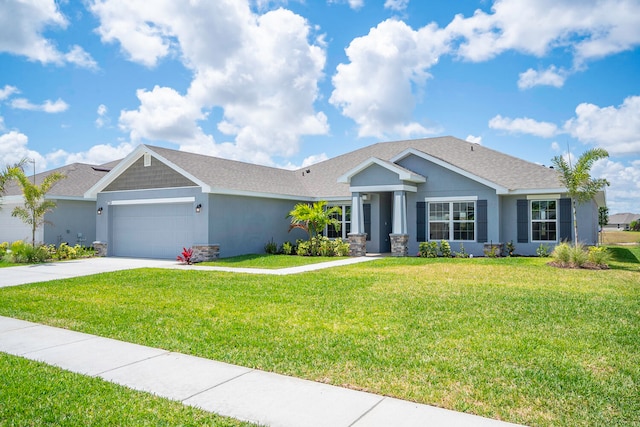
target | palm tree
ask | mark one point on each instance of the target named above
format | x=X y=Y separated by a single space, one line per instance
x=5 y=176
x=313 y=218
x=577 y=179
x=35 y=205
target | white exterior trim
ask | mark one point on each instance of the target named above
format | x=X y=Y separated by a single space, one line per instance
x=452 y=199
x=383 y=188
x=499 y=189
x=403 y=174
x=140 y=151
x=152 y=201
x=543 y=197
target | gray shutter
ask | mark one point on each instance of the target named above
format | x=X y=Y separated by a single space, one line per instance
x=366 y=211
x=523 y=220
x=565 y=215
x=421 y=221
x=481 y=218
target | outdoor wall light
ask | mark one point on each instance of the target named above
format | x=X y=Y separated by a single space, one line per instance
x=100 y=210
x=198 y=208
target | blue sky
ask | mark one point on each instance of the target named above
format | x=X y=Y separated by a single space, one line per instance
x=289 y=83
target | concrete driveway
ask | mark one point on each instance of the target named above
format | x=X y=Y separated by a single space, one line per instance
x=20 y=275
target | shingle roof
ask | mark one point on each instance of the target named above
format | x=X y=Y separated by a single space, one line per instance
x=320 y=180
x=503 y=170
x=79 y=178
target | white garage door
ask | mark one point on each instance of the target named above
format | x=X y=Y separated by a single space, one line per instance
x=151 y=230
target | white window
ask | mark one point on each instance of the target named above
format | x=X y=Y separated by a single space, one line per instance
x=544 y=222
x=454 y=220
x=345 y=224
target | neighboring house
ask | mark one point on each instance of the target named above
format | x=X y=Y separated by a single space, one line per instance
x=394 y=195
x=621 y=221
x=73 y=221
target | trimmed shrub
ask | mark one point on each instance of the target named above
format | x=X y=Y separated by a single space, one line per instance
x=287 y=248
x=4 y=246
x=445 y=249
x=428 y=249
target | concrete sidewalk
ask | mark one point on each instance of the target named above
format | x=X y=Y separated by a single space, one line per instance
x=21 y=275
x=235 y=391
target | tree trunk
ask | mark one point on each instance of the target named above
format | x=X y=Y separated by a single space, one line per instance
x=575 y=222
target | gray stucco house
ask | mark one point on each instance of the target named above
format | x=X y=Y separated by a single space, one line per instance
x=73 y=221
x=394 y=195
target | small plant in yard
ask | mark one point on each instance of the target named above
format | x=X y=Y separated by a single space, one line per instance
x=577 y=256
x=271 y=247
x=511 y=248
x=461 y=253
x=543 y=251
x=4 y=246
x=599 y=256
x=445 y=249
x=22 y=252
x=491 y=251
x=186 y=257
x=287 y=248
x=428 y=249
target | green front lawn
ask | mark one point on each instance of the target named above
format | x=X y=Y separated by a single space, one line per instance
x=508 y=338
x=268 y=261
x=34 y=394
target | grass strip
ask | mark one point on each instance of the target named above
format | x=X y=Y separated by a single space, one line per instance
x=508 y=338
x=268 y=261
x=34 y=394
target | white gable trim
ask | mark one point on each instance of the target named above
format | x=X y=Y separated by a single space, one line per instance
x=383 y=188
x=403 y=174
x=412 y=151
x=140 y=151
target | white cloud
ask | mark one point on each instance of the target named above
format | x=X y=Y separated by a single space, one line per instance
x=622 y=194
x=21 y=26
x=96 y=155
x=13 y=148
x=7 y=91
x=524 y=125
x=590 y=28
x=47 y=106
x=396 y=4
x=102 y=120
x=549 y=77
x=353 y=4
x=261 y=70
x=474 y=139
x=616 y=129
x=376 y=89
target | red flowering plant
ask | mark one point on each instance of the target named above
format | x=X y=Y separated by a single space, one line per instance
x=186 y=256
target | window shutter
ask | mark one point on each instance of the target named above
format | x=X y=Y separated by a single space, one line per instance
x=481 y=217
x=421 y=221
x=565 y=215
x=523 y=220
x=366 y=211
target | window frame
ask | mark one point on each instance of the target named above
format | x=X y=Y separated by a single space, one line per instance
x=555 y=220
x=450 y=218
x=344 y=230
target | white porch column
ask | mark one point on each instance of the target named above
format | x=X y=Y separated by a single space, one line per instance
x=357 y=214
x=400 y=212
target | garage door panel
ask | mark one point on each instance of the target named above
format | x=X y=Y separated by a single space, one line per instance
x=152 y=231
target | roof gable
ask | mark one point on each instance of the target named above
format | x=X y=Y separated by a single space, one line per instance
x=132 y=171
x=373 y=162
x=149 y=173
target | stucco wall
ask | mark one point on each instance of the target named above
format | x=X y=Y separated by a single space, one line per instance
x=441 y=183
x=69 y=218
x=11 y=228
x=242 y=225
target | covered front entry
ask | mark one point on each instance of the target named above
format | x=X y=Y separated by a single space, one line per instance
x=158 y=230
